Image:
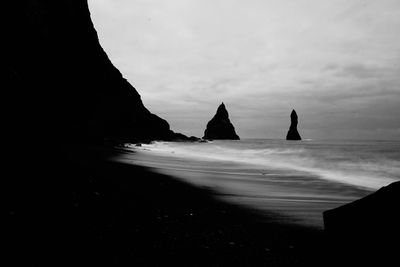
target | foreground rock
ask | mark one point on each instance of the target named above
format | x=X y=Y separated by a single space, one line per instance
x=220 y=127
x=377 y=209
x=293 y=134
x=367 y=229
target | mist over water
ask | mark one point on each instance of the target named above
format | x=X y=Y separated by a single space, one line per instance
x=365 y=164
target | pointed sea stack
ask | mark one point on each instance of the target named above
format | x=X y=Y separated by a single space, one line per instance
x=220 y=127
x=293 y=134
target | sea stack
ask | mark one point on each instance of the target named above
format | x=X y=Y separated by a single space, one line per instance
x=220 y=127
x=293 y=134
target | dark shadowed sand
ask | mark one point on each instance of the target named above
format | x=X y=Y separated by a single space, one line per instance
x=125 y=214
x=294 y=197
x=128 y=214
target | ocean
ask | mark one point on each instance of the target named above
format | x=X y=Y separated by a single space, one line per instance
x=297 y=180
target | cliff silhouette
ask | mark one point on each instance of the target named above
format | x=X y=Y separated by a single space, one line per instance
x=63 y=99
x=293 y=134
x=65 y=86
x=220 y=127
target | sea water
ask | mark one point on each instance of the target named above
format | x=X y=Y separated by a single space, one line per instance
x=366 y=164
x=299 y=179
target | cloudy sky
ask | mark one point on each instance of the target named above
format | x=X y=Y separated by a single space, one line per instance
x=337 y=62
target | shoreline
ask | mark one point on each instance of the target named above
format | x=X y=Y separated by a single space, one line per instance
x=284 y=155
x=294 y=198
x=87 y=210
x=138 y=216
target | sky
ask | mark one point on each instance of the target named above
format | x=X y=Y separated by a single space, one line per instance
x=336 y=62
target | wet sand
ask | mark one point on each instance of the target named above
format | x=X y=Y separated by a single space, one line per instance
x=132 y=215
x=294 y=197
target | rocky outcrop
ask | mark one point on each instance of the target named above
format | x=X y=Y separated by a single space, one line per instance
x=63 y=84
x=377 y=212
x=293 y=134
x=367 y=228
x=61 y=98
x=220 y=127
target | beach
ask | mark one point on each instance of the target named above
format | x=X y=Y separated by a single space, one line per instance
x=132 y=214
x=149 y=208
x=106 y=211
x=298 y=181
x=289 y=196
x=222 y=212
x=99 y=173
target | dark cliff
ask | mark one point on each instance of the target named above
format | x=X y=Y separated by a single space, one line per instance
x=62 y=97
x=63 y=84
x=220 y=127
x=293 y=134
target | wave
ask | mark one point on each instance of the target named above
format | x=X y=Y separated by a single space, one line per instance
x=357 y=165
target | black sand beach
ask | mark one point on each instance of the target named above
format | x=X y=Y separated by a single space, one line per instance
x=295 y=197
x=103 y=213
x=68 y=205
x=129 y=215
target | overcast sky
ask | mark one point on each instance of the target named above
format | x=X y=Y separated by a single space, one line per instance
x=337 y=62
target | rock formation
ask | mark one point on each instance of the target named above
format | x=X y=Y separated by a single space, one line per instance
x=220 y=127
x=64 y=85
x=62 y=97
x=368 y=227
x=375 y=212
x=293 y=134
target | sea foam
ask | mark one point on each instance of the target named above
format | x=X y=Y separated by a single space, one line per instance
x=368 y=165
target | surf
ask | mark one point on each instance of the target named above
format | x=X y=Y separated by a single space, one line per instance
x=360 y=164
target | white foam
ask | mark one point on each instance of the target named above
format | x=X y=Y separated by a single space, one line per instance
x=371 y=174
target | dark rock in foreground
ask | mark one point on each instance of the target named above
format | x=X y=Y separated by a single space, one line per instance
x=377 y=212
x=293 y=134
x=369 y=228
x=220 y=127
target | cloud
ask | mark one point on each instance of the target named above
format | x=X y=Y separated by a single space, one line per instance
x=362 y=71
x=327 y=59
